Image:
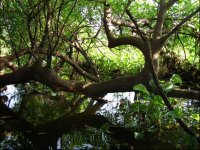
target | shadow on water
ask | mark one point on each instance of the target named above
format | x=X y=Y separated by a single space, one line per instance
x=60 y=121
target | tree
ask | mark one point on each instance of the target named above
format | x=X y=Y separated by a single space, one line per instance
x=53 y=43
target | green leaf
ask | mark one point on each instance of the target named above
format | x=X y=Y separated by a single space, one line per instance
x=141 y=88
x=195 y=117
x=110 y=1
x=105 y=126
x=172 y=113
x=176 y=79
x=146 y=96
x=152 y=83
x=152 y=129
x=143 y=107
x=177 y=113
x=138 y=136
x=158 y=100
x=2 y=122
x=135 y=106
x=168 y=87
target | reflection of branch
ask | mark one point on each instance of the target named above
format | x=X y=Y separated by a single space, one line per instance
x=4 y=110
x=23 y=104
x=163 y=39
x=77 y=104
x=93 y=109
x=43 y=135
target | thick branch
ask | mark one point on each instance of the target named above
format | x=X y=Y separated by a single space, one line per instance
x=183 y=93
x=122 y=23
x=4 y=63
x=49 y=77
x=161 y=17
x=112 y=41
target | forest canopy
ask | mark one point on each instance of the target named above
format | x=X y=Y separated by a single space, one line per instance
x=64 y=56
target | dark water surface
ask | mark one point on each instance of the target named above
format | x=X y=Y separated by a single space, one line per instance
x=58 y=121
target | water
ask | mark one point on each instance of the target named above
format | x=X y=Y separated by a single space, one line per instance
x=115 y=99
x=89 y=137
x=11 y=94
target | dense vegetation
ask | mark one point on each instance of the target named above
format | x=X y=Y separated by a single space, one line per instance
x=60 y=58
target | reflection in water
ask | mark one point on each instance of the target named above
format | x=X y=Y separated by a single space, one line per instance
x=58 y=118
x=115 y=99
x=59 y=144
x=72 y=122
x=120 y=95
x=11 y=93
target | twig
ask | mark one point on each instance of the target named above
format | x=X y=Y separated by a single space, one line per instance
x=163 y=39
x=135 y=23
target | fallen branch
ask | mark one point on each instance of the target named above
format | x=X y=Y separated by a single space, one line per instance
x=50 y=78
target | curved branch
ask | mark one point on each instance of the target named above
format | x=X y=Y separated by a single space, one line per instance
x=49 y=77
x=112 y=41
